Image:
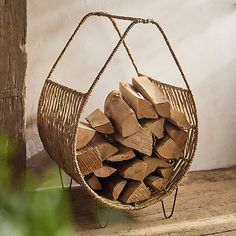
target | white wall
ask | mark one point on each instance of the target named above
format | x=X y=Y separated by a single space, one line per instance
x=203 y=35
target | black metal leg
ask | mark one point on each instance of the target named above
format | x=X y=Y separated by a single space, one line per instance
x=102 y=226
x=62 y=183
x=70 y=183
x=173 y=206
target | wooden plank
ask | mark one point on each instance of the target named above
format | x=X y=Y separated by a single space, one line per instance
x=215 y=212
x=99 y=121
x=121 y=115
x=141 y=107
x=153 y=94
x=12 y=84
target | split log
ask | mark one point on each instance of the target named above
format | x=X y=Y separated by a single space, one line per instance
x=153 y=163
x=179 y=119
x=89 y=159
x=141 y=141
x=165 y=172
x=115 y=186
x=123 y=154
x=159 y=163
x=133 y=169
x=93 y=182
x=105 y=148
x=168 y=149
x=153 y=94
x=122 y=116
x=104 y=171
x=154 y=126
x=178 y=135
x=84 y=135
x=151 y=166
x=155 y=182
x=99 y=121
x=140 y=105
x=135 y=191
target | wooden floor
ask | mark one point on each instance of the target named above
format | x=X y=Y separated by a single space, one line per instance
x=206 y=205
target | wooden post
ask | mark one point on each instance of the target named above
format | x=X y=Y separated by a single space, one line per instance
x=12 y=81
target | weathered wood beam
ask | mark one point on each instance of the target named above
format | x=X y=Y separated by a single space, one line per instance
x=12 y=82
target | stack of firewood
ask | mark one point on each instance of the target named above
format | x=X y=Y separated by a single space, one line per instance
x=139 y=138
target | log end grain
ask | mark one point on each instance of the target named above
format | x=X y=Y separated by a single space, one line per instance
x=135 y=191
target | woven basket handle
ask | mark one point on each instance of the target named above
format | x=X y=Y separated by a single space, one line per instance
x=134 y=21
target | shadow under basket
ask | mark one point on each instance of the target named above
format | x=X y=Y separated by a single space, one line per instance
x=60 y=109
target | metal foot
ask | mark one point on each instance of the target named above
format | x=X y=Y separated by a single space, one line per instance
x=173 y=206
x=70 y=183
x=102 y=226
x=62 y=183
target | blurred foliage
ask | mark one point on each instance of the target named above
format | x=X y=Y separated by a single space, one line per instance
x=30 y=213
x=6 y=147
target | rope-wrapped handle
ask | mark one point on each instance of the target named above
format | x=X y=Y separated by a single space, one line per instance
x=134 y=21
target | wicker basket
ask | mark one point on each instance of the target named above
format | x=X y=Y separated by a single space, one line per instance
x=60 y=109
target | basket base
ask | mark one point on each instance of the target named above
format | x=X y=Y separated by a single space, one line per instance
x=101 y=225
